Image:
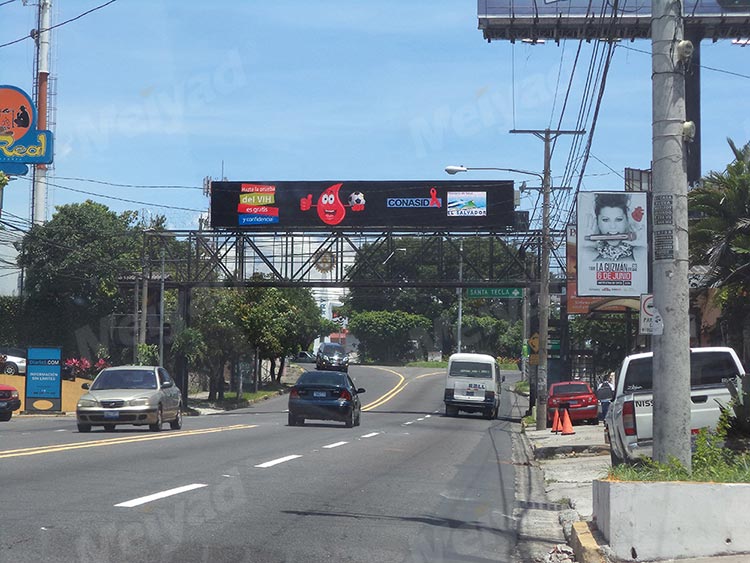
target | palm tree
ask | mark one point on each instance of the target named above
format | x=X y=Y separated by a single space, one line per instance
x=720 y=239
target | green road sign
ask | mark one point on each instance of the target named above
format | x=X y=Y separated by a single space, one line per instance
x=491 y=292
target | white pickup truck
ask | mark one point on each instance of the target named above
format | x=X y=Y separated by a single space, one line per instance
x=629 y=420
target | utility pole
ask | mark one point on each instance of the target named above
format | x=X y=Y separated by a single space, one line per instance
x=39 y=189
x=460 y=292
x=547 y=136
x=670 y=56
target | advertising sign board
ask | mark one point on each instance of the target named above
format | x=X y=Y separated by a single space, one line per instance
x=43 y=379
x=405 y=205
x=20 y=141
x=581 y=19
x=612 y=244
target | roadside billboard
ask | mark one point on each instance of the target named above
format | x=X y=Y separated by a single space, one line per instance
x=20 y=141
x=581 y=19
x=403 y=205
x=43 y=379
x=612 y=244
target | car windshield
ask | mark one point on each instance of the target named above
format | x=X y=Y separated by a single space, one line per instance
x=332 y=350
x=471 y=369
x=317 y=378
x=125 y=379
x=570 y=389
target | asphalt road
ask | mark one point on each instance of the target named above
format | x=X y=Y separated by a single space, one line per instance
x=407 y=485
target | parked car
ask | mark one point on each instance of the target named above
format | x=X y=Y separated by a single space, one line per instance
x=332 y=356
x=14 y=362
x=325 y=395
x=577 y=396
x=304 y=357
x=138 y=395
x=9 y=402
x=472 y=384
x=629 y=421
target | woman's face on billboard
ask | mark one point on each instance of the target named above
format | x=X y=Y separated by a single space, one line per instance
x=612 y=221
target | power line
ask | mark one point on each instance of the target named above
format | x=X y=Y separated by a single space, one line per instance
x=721 y=70
x=36 y=32
x=6 y=3
x=137 y=186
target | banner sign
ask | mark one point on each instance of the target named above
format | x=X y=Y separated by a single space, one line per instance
x=20 y=141
x=580 y=19
x=405 y=205
x=612 y=244
x=43 y=380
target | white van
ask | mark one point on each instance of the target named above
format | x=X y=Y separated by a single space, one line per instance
x=472 y=384
x=629 y=420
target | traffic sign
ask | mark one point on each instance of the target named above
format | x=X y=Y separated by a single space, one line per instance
x=491 y=292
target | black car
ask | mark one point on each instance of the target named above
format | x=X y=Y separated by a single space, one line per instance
x=332 y=356
x=325 y=395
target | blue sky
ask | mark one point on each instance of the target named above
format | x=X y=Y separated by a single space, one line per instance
x=164 y=92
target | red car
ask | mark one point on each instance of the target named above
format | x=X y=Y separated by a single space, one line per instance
x=577 y=397
x=9 y=402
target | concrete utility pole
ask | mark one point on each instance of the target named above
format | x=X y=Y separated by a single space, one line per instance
x=671 y=364
x=541 y=382
x=39 y=190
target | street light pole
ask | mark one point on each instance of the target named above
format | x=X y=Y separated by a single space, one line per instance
x=460 y=291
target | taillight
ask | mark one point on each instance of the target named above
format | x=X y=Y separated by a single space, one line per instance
x=294 y=393
x=489 y=396
x=628 y=418
x=345 y=395
x=448 y=394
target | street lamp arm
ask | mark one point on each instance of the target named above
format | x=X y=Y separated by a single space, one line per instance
x=456 y=169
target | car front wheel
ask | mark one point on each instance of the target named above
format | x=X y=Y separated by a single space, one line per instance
x=10 y=369
x=176 y=424
x=156 y=427
x=84 y=427
x=6 y=416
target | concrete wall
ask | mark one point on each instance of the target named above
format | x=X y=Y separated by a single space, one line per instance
x=71 y=391
x=645 y=521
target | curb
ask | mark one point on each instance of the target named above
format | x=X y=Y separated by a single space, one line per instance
x=584 y=544
x=547 y=452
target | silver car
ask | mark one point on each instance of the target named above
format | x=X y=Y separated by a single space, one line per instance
x=138 y=395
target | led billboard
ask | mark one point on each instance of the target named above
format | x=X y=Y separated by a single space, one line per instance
x=586 y=19
x=402 y=205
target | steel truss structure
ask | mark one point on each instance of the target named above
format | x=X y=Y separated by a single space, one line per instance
x=221 y=258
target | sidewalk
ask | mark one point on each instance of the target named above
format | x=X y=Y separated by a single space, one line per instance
x=569 y=465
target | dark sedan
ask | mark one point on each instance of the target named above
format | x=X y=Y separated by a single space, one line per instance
x=325 y=395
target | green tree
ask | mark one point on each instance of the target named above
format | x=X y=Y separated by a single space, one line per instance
x=720 y=239
x=606 y=335
x=72 y=266
x=388 y=336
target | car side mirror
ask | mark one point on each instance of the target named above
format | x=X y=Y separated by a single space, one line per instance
x=167 y=385
x=360 y=390
x=85 y=386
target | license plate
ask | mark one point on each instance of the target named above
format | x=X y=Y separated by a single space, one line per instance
x=470 y=393
x=111 y=415
x=319 y=394
x=3 y=404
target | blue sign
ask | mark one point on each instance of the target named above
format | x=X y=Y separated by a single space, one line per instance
x=43 y=379
x=20 y=140
x=14 y=169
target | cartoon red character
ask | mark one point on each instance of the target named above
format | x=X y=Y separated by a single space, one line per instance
x=330 y=208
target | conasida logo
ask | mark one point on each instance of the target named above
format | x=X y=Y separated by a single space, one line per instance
x=331 y=209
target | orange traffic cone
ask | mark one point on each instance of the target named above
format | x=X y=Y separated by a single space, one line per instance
x=567 y=426
x=556 y=426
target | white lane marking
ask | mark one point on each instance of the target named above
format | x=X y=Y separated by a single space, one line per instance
x=371 y=434
x=157 y=496
x=410 y=422
x=277 y=461
x=420 y=419
x=61 y=430
x=427 y=415
x=334 y=445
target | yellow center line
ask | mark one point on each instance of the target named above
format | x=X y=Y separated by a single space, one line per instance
x=117 y=441
x=429 y=374
x=390 y=394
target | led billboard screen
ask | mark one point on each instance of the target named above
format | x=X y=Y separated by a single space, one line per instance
x=584 y=19
x=403 y=205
